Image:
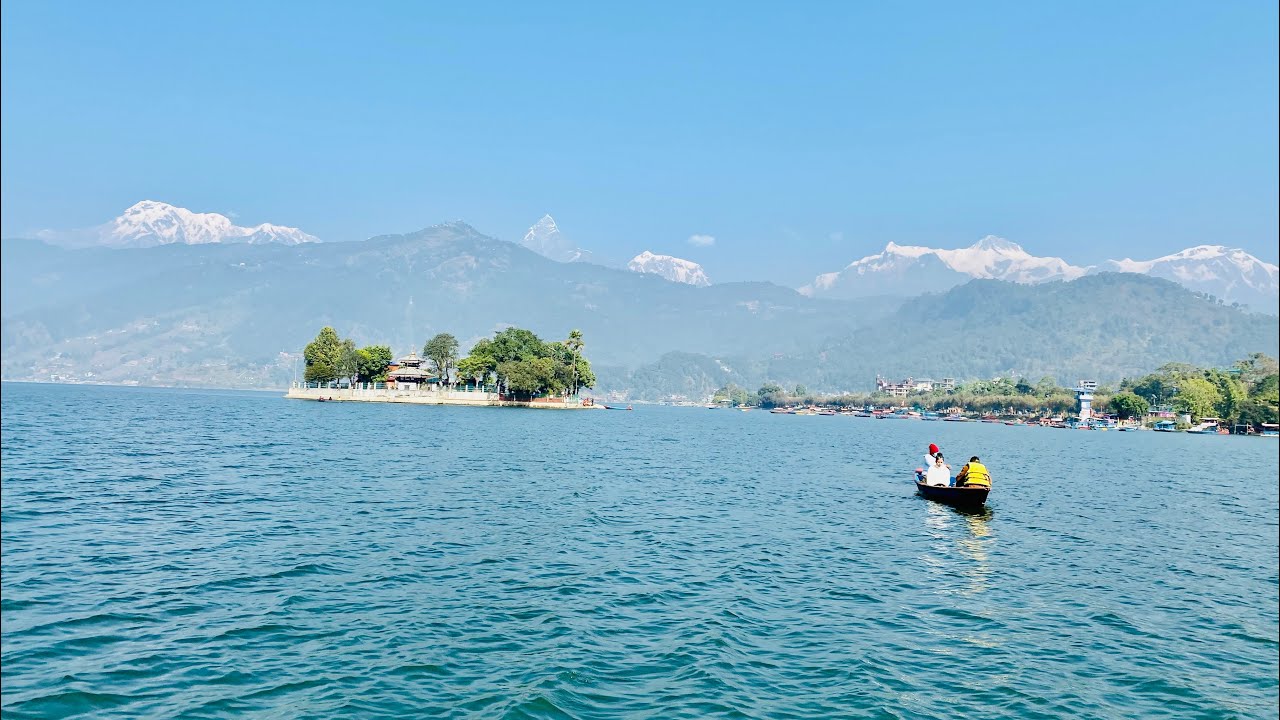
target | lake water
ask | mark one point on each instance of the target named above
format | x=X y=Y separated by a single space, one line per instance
x=215 y=554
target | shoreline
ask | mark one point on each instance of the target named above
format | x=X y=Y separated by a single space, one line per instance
x=436 y=397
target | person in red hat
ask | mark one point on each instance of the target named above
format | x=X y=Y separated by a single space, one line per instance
x=928 y=457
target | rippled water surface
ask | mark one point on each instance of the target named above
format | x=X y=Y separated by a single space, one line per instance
x=211 y=554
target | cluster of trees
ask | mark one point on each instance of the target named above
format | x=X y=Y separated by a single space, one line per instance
x=515 y=359
x=329 y=358
x=523 y=364
x=1247 y=393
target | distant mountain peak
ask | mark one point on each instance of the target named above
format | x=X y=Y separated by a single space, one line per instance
x=913 y=269
x=671 y=268
x=998 y=244
x=544 y=237
x=1229 y=274
x=152 y=222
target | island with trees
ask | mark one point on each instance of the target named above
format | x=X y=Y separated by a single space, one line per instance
x=514 y=368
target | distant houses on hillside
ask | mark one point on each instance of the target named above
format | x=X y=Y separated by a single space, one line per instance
x=910 y=385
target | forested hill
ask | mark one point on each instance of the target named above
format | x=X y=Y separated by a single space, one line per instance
x=233 y=314
x=1100 y=327
x=236 y=315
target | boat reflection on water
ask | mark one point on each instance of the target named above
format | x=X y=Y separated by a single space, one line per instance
x=975 y=546
x=962 y=540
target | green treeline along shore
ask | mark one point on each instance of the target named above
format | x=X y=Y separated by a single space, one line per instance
x=1248 y=393
x=514 y=367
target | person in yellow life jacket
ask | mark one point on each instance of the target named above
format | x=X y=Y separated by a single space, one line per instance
x=974 y=473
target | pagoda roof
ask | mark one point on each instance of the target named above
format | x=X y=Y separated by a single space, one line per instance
x=408 y=372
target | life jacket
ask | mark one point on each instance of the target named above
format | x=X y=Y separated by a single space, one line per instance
x=977 y=475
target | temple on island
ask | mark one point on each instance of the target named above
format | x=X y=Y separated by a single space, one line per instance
x=407 y=373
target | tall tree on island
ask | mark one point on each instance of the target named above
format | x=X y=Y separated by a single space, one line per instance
x=322 y=356
x=442 y=350
x=348 y=361
x=574 y=344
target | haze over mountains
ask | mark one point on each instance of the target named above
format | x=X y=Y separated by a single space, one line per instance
x=1231 y=275
x=235 y=313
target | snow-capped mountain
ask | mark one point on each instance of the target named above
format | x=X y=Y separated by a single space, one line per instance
x=1229 y=274
x=151 y=223
x=672 y=268
x=545 y=238
x=912 y=269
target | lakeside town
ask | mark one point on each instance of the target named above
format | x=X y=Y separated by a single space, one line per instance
x=1242 y=399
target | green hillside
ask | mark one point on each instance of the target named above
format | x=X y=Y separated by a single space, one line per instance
x=1101 y=327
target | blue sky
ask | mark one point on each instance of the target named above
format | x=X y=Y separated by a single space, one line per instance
x=801 y=138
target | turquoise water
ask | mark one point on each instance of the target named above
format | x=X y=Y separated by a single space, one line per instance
x=174 y=553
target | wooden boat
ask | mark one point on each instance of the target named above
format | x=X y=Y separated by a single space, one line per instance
x=964 y=497
x=616 y=407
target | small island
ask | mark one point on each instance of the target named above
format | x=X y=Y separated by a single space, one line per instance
x=515 y=368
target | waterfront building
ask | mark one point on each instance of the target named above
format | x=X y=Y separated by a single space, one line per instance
x=1084 y=395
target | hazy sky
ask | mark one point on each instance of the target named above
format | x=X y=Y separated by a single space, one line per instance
x=798 y=137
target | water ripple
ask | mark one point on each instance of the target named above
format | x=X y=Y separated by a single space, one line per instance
x=213 y=554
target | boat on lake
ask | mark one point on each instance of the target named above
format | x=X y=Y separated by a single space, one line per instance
x=1207 y=426
x=1165 y=426
x=974 y=496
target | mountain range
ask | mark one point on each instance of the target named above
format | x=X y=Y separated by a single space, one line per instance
x=150 y=223
x=1227 y=273
x=238 y=315
x=1231 y=275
